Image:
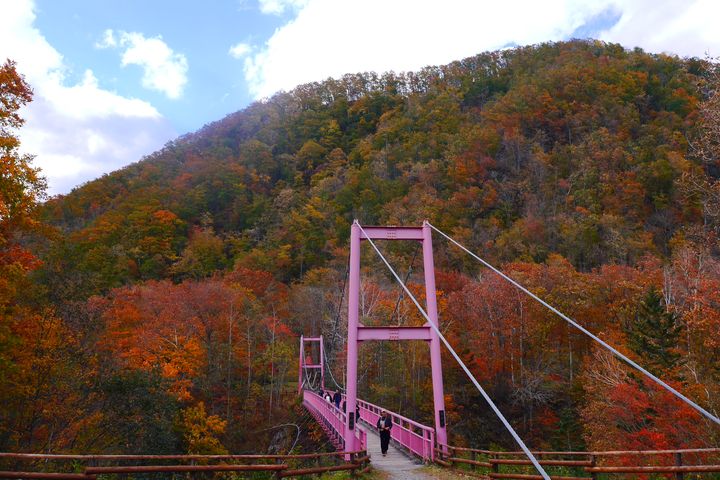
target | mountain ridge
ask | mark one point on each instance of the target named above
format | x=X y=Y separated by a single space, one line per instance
x=484 y=133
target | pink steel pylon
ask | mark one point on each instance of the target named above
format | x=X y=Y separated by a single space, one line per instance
x=358 y=333
x=304 y=365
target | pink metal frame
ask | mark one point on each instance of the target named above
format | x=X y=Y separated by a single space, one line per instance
x=303 y=366
x=417 y=438
x=332 y=421
x=358 y=333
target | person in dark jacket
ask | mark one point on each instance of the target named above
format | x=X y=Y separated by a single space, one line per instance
x=384 y=424
x=337 y=398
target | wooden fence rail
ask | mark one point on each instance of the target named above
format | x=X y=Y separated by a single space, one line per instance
x=184 y=468
x=47 y=476
x=607 y=453
x=707 y=460
x=359 y=462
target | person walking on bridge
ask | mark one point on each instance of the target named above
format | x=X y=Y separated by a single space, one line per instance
x=384 y=424
x=337 y=398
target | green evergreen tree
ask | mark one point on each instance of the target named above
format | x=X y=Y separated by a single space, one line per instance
x=655 y=333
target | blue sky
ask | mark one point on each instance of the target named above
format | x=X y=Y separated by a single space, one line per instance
x=115 y=81
x=201 y=31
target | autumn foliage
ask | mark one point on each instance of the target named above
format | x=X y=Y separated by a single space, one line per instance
x=164 y=314
x=21 y=186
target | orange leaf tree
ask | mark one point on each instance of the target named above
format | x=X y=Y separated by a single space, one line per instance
x=21 y=185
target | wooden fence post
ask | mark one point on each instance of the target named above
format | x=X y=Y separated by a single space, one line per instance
x=678 y=463
x=473 y=458
x=277 y=474
x=353 y=472
x=593 y=475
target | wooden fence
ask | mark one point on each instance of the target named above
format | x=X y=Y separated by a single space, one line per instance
x=582 y=465
x=45 y=467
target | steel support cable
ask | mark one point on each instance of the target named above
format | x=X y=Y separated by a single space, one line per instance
x=342 y=296
x=584 y=330
x=306 y=378
x=472 y=378
x=308 y=382
x=297 y=437
x=329 y=370
x=308 y=420
x=337 y=321
x=407 y=277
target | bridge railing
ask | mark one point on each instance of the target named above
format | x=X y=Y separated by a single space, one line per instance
x=419 y=439
x=332 y=417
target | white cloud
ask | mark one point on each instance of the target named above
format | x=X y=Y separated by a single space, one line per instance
x=73 y=150
x=86 y=99
x=682 y=27
x=330 y=38
x=108 y=40
x=163 y=70
x=240 y=50
x=77 y=131
x=278 y=7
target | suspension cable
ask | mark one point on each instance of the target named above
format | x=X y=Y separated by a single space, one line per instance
x=311 y=384
x=337 y=321
x=283 y=425
x=342 y=296
x=487 y=398
x=329 y=370
x=585 y=331
x=407 y=277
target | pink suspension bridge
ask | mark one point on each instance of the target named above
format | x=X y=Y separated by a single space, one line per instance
x=341 y=427
x=426 y=443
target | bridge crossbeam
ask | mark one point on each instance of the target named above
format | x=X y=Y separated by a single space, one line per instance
x=394 y=333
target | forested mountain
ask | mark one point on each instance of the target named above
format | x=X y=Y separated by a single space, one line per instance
x=172 y=292
x=570 y=148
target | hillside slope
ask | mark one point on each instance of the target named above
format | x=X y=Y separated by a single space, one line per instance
x=573 y=148
x=166 y=313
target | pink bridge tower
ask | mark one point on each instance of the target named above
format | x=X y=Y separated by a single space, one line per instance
x=358 y=333
x=306 y=362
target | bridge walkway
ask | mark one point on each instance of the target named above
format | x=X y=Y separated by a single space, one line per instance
x=396 y=464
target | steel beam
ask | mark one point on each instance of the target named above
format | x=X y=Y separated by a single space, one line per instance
x=394 y=333
x=392 y=233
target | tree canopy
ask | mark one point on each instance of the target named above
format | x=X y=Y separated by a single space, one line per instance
x=166 y=312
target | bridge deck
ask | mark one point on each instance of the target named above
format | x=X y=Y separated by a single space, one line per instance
x=412 y=443
x=396 y=464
